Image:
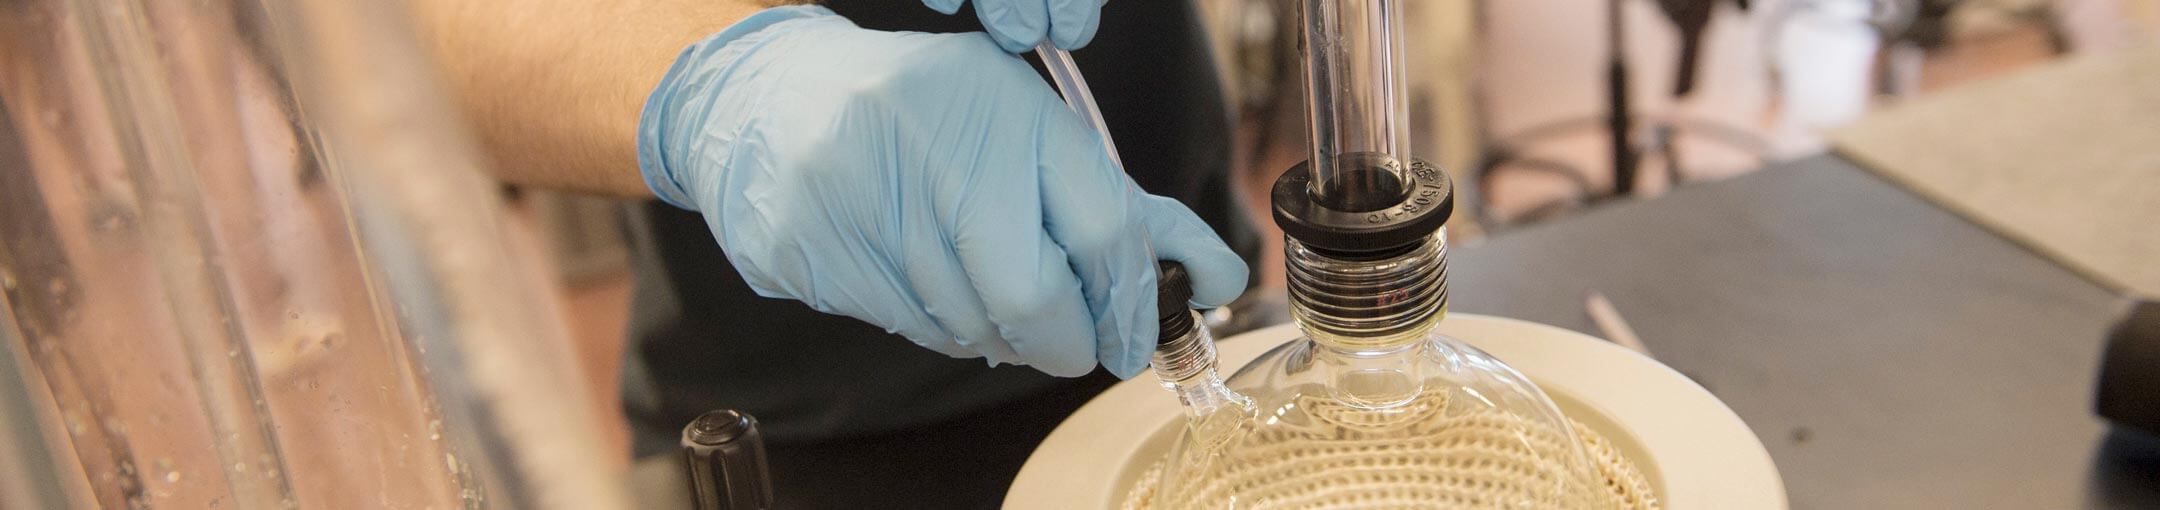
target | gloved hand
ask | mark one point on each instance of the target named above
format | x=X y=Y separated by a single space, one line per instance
x=929 y=184
x=1019 y=25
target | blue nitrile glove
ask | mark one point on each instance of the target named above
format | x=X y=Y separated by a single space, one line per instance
x=1019 y=25
x=929 y=184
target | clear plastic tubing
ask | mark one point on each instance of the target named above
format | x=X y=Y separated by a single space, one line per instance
x=1066 y=74
x=1354 y=101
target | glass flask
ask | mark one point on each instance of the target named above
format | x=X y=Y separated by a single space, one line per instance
x=1371 y=412
x=1184 y=363
x=1371 y=408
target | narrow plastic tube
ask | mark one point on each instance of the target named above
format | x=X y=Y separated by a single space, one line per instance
x=1075 y=89
x=1355 y=108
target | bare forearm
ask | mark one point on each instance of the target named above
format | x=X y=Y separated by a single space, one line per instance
x=554 y=87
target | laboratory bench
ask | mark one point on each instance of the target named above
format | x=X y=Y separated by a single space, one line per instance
x=1888 y=353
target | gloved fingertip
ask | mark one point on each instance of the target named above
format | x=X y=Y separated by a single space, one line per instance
x=1126 y=369
x=1065 y=368
x=1140 y=340
x=1072 y=30
x=1221 y=279
x=1070 y=41
x=1125 y=346
x=1087 y=34
x=1133 y=358
x=944 y=6
x=1219 y=276
x=1016 y=26
x=767 y=291
x=1009 y=44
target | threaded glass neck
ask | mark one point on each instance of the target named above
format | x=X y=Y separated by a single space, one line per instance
x=1185 y=350
x=1380 y=303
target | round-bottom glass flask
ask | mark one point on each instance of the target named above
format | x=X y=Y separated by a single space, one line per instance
x=1373 y=409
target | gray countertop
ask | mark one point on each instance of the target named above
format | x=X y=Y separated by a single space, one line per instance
x=1888 y=353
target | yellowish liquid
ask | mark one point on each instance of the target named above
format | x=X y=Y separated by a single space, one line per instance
x=1315 y=453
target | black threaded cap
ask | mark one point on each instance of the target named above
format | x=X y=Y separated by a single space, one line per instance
x=1173 y=289
x=1173 y=295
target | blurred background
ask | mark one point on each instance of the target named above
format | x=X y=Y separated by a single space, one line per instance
x=1920 y=217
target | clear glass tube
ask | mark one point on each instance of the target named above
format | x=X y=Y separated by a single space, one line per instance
x=1214 y=414
x=1185 y=364
x=1355 y=108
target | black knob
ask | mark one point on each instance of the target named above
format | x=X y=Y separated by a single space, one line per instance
x=725 y=459
x=1173 y=295
x=2129 y=389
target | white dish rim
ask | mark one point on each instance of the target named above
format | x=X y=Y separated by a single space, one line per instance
x=1706 y=457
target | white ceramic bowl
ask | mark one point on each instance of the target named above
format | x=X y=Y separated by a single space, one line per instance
x=1696 y=452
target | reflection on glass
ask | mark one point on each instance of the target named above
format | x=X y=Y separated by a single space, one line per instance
x=230 y=292
x=1372 y=408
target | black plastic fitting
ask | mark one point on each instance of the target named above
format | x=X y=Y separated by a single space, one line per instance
x=1378 y=229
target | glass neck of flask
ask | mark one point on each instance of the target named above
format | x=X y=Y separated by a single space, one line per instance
x=1185 y=363
x=1369 y=305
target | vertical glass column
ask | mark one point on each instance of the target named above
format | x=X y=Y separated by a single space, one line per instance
x=1355 y=107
